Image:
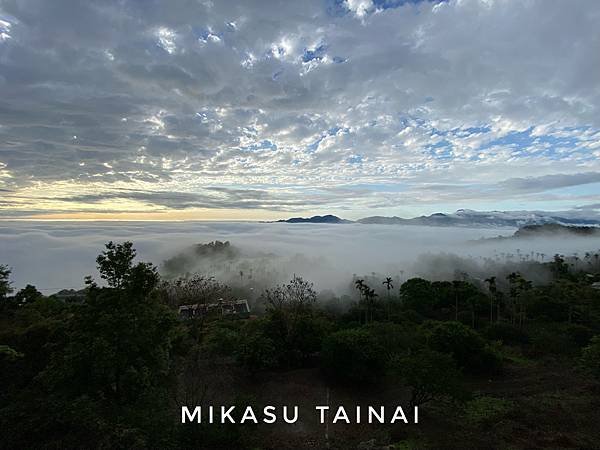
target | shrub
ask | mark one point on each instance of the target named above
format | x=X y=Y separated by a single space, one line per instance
x=579 y=334
x=554 y=339
x=590 y=357
x=256 y=352
x=353 y=355
x=466 y=346
x=486 y=411
x=506 y=333
x=430 y=375
x=394 y=338
x=9 y=354
x=295 y=336
x=418 y=294
x=222 y=339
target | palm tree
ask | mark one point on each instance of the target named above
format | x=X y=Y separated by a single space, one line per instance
x=370 y=297
x=518 y=285
x=491 y=281
x=388 y=285
x=456 y=285
x=360 y=285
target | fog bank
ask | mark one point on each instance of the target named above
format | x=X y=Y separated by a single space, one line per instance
x=57 y=255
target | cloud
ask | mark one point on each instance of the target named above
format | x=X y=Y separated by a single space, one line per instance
x=294 y=96
x=544 y=183
x=213 y=197
x=58 y=255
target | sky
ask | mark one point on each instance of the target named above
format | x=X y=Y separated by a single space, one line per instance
x=192 y=109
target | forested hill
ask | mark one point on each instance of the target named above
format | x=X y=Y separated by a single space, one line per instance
x=550 y=229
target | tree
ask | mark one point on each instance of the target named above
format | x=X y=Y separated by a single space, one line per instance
x=360 y=286
x=559 y=267
x=114 y=264
x=28 y=294
x=295 y=296
x=493 y=290
x=5 y=288
x=388 y=285
x=354 y=356
x=197 y=290
x=119 y=354
x=456 y=285
x=518 y=285
x=291 y=323
x=466 y=346
x=418 y=294
x=370 y=295
x=256 y=352
x=430 y=374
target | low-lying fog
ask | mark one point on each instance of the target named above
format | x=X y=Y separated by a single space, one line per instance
x=57 y=255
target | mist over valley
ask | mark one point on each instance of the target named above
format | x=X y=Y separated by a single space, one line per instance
x=58 y=255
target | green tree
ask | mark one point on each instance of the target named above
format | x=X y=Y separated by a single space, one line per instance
x=493 y=291
x=292 y=323
x=518 y=287
x=430 y=375
x=28 y=294
x=418 y=294
x=389 y=285
x=354 y=356
x=256 y=352
x=118 y=359
x=115 y=263
x=466 y=346
x=5 y=288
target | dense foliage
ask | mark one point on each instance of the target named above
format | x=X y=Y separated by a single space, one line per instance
x=110 y=368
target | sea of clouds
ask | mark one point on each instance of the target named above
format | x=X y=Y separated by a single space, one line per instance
x=57 y=255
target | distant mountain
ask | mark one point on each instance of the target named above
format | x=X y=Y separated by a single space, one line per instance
x=470 y=218
x=466 y=218
x=316 y=219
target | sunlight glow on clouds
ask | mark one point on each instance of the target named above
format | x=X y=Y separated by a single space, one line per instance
x=353 y=107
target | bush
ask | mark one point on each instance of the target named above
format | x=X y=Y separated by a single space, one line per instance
x=418 y=294
x=9 y=354
x=506 y=333
x=255 y=351
x=486 y=411
x=394 y=338
x=548 y=308
x=466 y=346
x=579 y=334
x=430 y=375
x=295 y=336
x=590 y=358
x=354 y=356
x=552 y=340
x=222 y=339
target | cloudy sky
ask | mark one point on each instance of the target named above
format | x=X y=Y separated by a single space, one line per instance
x=262 y=109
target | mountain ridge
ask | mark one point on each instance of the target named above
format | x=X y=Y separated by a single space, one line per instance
x=462 y=218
